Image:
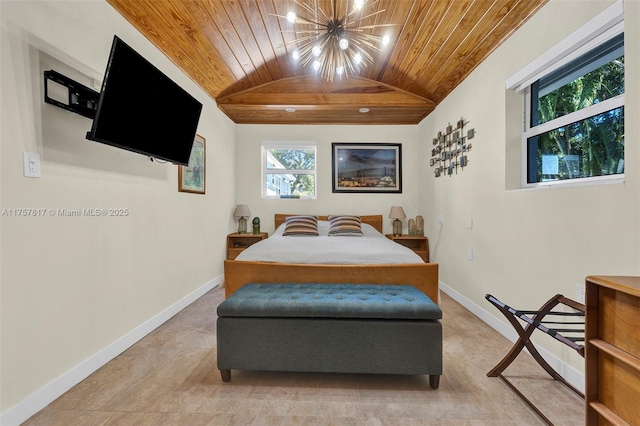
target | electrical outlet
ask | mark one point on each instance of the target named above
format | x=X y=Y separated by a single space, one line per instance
x=580 y=293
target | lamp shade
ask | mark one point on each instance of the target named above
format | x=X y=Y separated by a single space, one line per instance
x=242 y=210
x=397 y=213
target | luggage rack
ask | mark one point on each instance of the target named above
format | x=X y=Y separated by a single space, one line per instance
x=569 y=332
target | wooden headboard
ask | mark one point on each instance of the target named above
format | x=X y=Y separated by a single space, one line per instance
x=373 y=220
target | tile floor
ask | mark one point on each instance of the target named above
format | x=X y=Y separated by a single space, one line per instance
x=170 y=378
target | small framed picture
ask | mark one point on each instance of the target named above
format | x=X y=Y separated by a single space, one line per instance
x=192 y=177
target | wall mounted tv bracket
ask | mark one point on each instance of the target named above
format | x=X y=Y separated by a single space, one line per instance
x=81 y=99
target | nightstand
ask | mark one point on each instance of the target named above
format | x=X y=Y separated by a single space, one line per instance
x=417 y=243
x=236 y=243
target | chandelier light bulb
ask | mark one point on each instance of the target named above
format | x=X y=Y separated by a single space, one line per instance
x=338 y=42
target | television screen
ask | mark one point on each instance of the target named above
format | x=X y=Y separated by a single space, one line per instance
x=142 y=110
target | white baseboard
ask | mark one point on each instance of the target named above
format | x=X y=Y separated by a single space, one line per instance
x=574 y=377
x=50 y=392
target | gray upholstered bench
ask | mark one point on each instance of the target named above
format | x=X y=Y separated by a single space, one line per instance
x=340 y=328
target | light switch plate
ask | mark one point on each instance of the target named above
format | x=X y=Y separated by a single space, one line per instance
x=580 y=293
x=31 y=164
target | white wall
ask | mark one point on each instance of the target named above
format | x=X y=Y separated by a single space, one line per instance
x=529 y=245
x=72 y=286
x=248 y=171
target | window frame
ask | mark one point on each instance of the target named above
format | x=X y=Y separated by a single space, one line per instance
x=564 y=121
x=292 y=145
x=602 y=28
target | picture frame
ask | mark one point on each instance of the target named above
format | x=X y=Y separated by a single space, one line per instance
x=192 y=178
x=366 y=167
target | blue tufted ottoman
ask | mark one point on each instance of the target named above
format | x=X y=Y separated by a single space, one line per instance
x=340 y=328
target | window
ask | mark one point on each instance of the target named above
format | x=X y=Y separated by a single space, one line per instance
x=573 y=102
x=289 y=170
x=575 y=126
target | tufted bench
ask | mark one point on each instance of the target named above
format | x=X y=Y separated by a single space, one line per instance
x=341 y=328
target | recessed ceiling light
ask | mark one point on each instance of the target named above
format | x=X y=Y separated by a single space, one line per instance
x=364 y=110
x=289 y=109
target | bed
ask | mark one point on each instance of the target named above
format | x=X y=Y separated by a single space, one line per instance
x=419 y=274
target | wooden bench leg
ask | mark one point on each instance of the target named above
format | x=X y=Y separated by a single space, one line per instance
x=434 y=381
x=226 y=375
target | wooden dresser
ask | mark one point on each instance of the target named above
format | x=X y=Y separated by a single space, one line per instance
x=612 y=393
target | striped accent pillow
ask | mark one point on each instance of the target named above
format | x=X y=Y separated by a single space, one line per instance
x=301 y=225
x=345 y=225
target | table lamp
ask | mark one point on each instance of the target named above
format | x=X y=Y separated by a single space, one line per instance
x=242 y=212
x=397 y=213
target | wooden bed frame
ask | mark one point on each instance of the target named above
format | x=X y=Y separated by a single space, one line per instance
x=423 y=276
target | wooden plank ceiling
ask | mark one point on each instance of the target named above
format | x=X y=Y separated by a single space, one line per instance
x=240 y=54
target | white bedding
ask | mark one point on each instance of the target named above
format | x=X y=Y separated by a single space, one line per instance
x=372 y=248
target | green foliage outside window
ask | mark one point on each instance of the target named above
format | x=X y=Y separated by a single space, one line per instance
x=587 y=147
x=303 y=185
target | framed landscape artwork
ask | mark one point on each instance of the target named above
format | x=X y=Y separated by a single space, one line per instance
x=366 y=167
x=192 y=178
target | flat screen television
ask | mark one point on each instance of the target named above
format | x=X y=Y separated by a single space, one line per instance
x=142 y=110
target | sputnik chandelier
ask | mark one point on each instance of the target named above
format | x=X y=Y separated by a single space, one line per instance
x=336 y=44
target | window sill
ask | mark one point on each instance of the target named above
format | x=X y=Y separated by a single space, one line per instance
x=601 y=180
x=289 y=198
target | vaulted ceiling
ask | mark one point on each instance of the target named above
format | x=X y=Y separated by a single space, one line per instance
x=239 y=52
